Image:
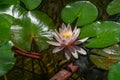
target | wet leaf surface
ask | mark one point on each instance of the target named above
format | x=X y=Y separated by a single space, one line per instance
x=7 y=59
x=5 y=24
x=31 y=4
x=28 y=25
x=32 y=26
x=9 y=1
x=102 y=34
x=114 y=72
x=113 y=7
x=104 y=58
x=84 y=11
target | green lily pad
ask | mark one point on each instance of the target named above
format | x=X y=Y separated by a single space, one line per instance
x=31 y=4
x=109 y=51
x=34 y=25
x=113 y=7
x=102 y=34
x=7 y=14
x=84 y=11
x=7 y=59
x=16 y=11
x=104 y=58
x=9 y=1
x=27 y=24
x=114 y=72
x=5 y=24
x=6 y=9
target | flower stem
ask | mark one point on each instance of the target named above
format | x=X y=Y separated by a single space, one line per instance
x=5 y=77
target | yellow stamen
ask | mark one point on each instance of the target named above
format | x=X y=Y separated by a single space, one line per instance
x=66 y=35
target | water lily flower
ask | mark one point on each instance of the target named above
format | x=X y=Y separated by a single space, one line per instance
x=66 y=40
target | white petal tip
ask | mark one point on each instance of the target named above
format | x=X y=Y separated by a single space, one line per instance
x=82 y=51
x=67 y=56
x=57 y=49
x=75 y=55
x=84 y=39
x=53 y=43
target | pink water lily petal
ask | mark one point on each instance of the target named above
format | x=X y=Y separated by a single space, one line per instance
x=76 y=34
x=57 y=36
x=80 y=41
x=57 y=49
x=63 y=27
x=67 y=54
x=74 y=52
x=69 y=28
x=83 y=40
x=77 y=42
x=82 y=51
x=75 y=29
x=54 y=43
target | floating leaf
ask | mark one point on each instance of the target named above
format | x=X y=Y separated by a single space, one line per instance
x=106 y=57
x=100 y=62
x=113 y=7
x=31 y=4
x=103 y=34
x=5 y=24
x=9 y=1
x=15 y=11
x=84 y=11
x=113 y=51
x=7 y=59
x=35 y=25
x=114 y=72
x=27 y=24
x=7 y=14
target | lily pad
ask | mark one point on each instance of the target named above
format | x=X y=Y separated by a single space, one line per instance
x=5 y=24
x=7 y=59
x=84 y=11
x=113 y=7
x=31 y=4
x=27 y=24
x=101 y=62
x=9 y=1
x=102 y=34
x=104 y=58
x=16 y=11
x=34 y=25
x=114 y=72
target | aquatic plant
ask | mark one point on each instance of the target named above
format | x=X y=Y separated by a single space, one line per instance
x=67 y=41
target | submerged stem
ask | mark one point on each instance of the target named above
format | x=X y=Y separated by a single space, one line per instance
x=5 y=77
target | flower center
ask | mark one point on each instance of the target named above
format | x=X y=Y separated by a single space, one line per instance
x=66 y=35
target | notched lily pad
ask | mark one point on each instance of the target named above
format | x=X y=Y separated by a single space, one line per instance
x=28 y=25
x=9 y=2
x=114 y=72
x=31 y=4
x=102 y=34
x=35 y=25
x=106 y=57
x=113 y=7
x=5 y=24
x=7 y=59
x=84 y=11
x=16 y=11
